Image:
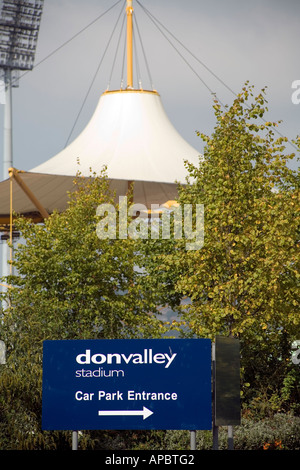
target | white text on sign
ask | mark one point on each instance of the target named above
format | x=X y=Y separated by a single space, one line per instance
x=131 y=395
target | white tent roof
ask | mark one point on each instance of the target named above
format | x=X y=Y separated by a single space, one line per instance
x=129 y=134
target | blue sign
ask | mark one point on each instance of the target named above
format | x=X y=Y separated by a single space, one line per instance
x=127 y=384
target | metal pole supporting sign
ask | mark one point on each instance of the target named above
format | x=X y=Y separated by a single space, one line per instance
x=75 y=440
x=193 y=440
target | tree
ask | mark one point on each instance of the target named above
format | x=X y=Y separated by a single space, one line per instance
x=69 y=284
x=244 y=282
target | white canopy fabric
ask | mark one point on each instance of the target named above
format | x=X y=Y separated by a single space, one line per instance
x=129 y=134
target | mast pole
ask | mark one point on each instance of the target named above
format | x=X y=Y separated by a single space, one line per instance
x=129 y=12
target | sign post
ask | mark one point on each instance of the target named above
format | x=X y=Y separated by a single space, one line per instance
x=226 y=387
x=127 y=384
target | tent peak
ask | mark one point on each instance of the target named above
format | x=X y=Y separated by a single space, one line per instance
x=131 y=90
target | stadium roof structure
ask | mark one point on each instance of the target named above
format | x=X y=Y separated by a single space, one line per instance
x=129 y=134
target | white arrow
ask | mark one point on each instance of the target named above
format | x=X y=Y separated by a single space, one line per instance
x=144 y=412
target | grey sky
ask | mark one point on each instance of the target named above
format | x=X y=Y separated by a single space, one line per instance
x=237 y=39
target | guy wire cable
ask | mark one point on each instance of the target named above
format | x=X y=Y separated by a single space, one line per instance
x=138 y=71
x=152 y=18
x=191 y=53
x=94 y=77
x=123 y=64
x=143 y=50
x=66 y=42
x=117 y=48
x=179 y=53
